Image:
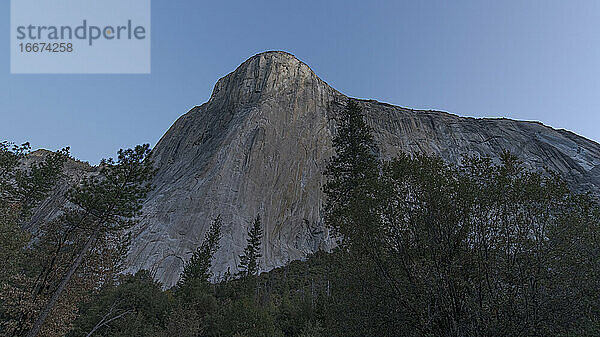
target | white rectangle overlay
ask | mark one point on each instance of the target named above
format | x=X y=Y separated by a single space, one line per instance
x=80 y=37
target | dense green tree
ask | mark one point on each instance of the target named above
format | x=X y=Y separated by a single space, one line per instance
x=198 y=267
x=22 y=187
x=480 y=250
x=249 y=261
x=103 y=205
x=134 y=305
x=352 y=212
x=352 y=179
x=24 y=182
x=245 y=317
x=436 y=249
x=311 y=329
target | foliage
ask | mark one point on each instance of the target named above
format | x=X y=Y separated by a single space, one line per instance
x=103 y=205
x=249 y=261
x=23 y=186
x=352 y=183
x=133 y=306
x=24 y=183
x=477 y=250
x=194 y=301
x=77 y=250
x=112 y=199
x=198 y=267
x=482 y=249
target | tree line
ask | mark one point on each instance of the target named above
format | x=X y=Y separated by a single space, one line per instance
x=425 y=248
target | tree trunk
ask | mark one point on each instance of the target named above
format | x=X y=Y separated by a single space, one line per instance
x=50 y=305
x=103 y=322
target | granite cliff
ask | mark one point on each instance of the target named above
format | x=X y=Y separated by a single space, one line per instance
x=260 y=143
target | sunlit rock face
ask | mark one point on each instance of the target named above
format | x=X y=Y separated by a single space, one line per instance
x=260 y=144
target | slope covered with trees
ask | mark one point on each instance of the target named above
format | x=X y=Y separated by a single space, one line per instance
x=73 y=253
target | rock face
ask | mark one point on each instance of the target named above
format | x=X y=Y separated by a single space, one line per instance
x=260 y=143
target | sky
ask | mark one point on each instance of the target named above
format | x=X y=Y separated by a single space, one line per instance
x=523 y=59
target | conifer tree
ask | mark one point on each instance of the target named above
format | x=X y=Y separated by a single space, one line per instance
x=249 y=260
x=198 y=267
x=24 y=183
x=22 y=188
x=103 y=204
x=352 y=174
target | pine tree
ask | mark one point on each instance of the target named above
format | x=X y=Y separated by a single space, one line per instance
x=24 y=183
x=249 y=260
x=198 y=267
x=102 y=205
x=22 y=188
x=352 y=174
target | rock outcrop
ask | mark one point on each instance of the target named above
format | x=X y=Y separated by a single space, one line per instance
x=260 y=143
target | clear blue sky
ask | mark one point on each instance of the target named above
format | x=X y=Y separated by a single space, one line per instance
x=531 y=60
